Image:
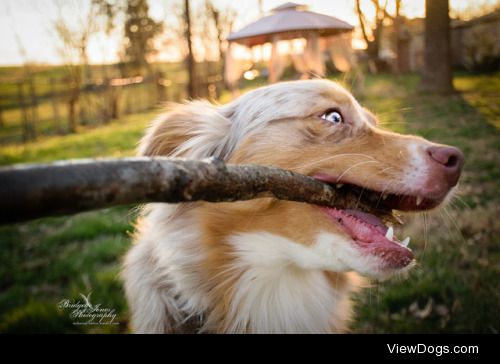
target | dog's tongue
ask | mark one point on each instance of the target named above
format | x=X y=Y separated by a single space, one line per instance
x=371 y=236
x=368 y=218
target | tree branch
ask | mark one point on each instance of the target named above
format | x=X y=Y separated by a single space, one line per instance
x=362 y=22
x=34 y=191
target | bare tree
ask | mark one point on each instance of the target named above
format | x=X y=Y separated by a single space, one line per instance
x=212 y=26
x=191 y=88
x=437 y=74
x=140 y=31
x=223 y=20
x=75 y=36
x=372 y=30
x=75 y=33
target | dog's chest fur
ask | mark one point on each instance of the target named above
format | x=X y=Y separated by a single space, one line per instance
x=256 y=282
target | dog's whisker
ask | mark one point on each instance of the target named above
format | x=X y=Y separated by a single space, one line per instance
x=333 y=157
x=354 y=166
x=394 y=111
x=455 y=224
x=446 y=221
x=461 y=200
x=364 y=188
x=426 y=230
x=392 y=123
x=386 y=186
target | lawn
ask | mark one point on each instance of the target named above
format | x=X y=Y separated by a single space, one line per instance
x=454 y=288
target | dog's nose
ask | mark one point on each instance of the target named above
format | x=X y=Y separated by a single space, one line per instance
x=450 y=159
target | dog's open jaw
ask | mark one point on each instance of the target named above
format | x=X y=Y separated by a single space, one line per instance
x=369 y=222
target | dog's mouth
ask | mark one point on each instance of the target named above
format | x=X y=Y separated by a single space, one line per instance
x=368 y=217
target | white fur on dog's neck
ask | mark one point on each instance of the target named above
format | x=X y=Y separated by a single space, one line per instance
x=282 y=287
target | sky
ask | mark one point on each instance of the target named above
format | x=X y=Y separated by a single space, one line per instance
x=29 y=24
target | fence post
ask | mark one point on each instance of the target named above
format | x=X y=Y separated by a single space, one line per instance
x=33 y=108
x=24 y=113
x=72 y=106
x=82 y=104
x=142 y=91
x=55 y=106
x=152 y=100
x=160 y=87
x=113 y=100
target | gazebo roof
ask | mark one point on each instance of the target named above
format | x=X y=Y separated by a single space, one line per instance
x=289 y=20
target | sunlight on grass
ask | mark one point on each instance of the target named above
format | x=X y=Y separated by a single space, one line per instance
x=117 y=139
x=483 y=93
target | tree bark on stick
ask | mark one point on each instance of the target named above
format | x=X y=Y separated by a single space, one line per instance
x=34 y=191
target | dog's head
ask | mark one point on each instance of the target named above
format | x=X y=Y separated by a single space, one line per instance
x=318 y=129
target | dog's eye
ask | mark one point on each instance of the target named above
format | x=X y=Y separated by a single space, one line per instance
x=332 y=116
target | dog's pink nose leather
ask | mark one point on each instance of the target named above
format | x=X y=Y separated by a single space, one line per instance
x=450 y=159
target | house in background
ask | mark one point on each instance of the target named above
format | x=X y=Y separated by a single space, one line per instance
x=475 y=43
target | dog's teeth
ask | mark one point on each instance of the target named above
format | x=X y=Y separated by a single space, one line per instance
x=339 y=185
x=389 y=234
x=406 y=241
x=419 y=200
x=384 y=196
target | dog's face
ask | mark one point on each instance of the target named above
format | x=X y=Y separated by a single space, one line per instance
x=318 y=129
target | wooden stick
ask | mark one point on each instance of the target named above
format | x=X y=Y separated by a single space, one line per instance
x=67 y=187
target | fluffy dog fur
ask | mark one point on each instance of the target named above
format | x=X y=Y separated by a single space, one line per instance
x=266 y=266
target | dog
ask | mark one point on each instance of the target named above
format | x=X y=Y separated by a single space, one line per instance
x=272 y=266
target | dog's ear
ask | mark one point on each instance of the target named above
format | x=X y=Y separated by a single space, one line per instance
x=192 y=130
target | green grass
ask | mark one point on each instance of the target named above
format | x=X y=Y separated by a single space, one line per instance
x=455 y=287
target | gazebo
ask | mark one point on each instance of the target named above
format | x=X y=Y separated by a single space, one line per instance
x=322 y=33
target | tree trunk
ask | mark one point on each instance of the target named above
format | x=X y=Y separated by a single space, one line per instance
x=437 y=76
x=189 y=58
x=400 y=41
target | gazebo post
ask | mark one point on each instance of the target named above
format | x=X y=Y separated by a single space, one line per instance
x=313 y=52
x=274 y=60
x=232 y=73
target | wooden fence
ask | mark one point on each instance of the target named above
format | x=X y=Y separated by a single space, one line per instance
x=58 y=106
